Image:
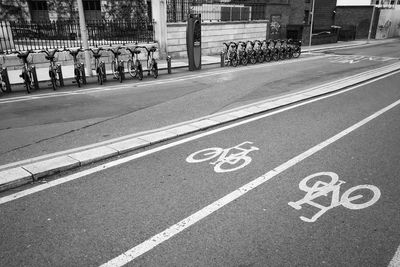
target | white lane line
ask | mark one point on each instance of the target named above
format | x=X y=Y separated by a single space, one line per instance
x=395 y=262
x=152 y=242
x=150 y=83
x=81 y=174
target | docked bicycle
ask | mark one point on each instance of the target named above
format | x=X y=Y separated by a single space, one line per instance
x=134 y=65
x=117 y=66
x=99 y=65
x=79 y=68
x=28 y=72
x=55 y=72
x=152 y=66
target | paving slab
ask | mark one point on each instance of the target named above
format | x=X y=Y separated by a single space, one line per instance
x=51 y=166
x=95 y=154
x=128 y=145
x=14 y=177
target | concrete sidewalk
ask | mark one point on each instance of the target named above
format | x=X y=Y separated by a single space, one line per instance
x=30 y=170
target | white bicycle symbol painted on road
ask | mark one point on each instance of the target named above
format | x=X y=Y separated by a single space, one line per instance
x=227 y=160
x=317 y=188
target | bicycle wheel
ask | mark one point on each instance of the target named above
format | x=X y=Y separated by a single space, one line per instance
x=27 y=81
x=275 y=56
x=154 y=69
x=114 y=69
x=53 y=80
x=296 y=53
x=347 y=201
x=229 y=166
x=204 y=154
x=99 y=75
x=260 y=57
x=244 y=60
x=3 y=86
x=120 y=73
x=282 y=55
x=131 y=68
x=226 y=60
x=309 y=183
x=77 y=76
x=253 y=58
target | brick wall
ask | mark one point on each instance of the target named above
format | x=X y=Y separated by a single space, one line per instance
x=213 y=35
x=324 y=16
x=358 y=16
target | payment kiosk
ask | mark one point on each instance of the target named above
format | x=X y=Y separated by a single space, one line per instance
x=193 y=41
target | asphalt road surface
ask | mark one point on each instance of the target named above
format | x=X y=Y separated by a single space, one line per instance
x=315 y=184
x=47 y=122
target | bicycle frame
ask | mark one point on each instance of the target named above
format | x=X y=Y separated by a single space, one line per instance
x=134 y=65
x=55 y=73
x=28 y=74
x=99 y=65
x=79 y=69
x=152 y=65
x=117 y=65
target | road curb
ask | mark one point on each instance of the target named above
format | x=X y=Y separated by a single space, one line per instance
x=27 y=173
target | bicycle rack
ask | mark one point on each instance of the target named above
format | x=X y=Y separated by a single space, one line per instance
x=60 y=75
x=6 y=80
x=35 y=79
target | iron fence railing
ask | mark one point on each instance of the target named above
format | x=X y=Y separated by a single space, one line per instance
x=23 y=35
x=215 y=10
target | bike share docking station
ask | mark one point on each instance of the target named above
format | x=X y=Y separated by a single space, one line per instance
x=193 y=41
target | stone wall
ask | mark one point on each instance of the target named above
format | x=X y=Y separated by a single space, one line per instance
x=388 y=24
x=213 y=35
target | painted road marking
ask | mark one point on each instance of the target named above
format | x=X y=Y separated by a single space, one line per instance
x=227 y=160
x=353 y=59
x=81 y=174
x=149 y=83
x=395 y=262
x=319 y=188
x=173 y=230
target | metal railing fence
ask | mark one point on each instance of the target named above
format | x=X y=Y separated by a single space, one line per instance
x=215 y=10
x=23 y=35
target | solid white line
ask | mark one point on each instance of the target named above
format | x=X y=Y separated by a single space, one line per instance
x=395 y=262
x=78 y=175
x=150 y=243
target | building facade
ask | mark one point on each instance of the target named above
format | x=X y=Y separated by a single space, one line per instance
x=52 y=10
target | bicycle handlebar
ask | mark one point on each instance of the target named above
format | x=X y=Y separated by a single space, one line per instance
x=134 y=49
x=115 y=52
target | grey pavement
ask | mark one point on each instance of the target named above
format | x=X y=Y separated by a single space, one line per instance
x=29 y=169
x=144 y=201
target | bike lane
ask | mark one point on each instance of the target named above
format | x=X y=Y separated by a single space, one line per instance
x=92 y=220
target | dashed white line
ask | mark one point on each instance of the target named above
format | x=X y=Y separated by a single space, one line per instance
x=395 y=262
